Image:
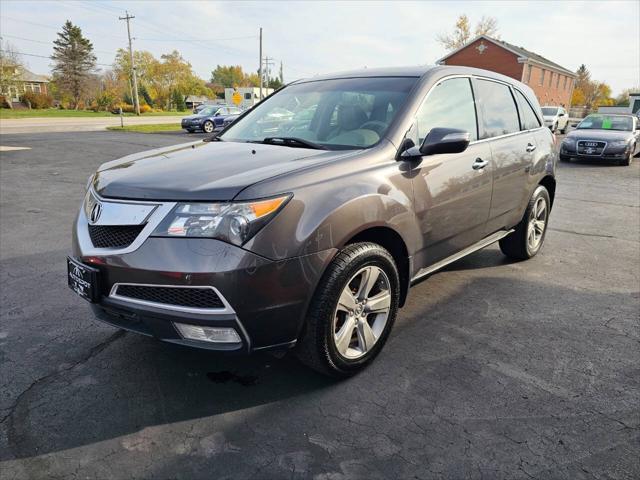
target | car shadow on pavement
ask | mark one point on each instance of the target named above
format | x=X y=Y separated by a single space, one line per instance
x=471 y=346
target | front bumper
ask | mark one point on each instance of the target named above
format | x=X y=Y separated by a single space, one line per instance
x=191 y=125
x=609 y=153
x=267 y=300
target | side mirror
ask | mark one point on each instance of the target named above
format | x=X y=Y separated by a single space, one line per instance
x=439 y=140
x=445 y=140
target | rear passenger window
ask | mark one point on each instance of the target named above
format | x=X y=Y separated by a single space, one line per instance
x=449 y=105
x=528 y=118
x=500 y=114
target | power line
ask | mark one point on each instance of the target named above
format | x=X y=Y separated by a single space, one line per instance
x=202 y=40
x=45 y=56
x=49 y=43
x=53 y=28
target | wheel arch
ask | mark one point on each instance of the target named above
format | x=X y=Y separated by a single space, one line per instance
x=393 y=242
x=549 y=182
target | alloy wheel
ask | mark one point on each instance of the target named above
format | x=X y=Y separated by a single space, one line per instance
x=362 y=312
x=537 y=224
x=208 y=127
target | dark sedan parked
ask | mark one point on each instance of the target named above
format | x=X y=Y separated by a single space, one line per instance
x=610 y=137
x=211 y=118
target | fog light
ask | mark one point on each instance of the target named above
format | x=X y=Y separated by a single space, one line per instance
x=208 y=334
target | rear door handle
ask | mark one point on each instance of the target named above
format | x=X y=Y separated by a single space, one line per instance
x=479 y=164
x=530 y=147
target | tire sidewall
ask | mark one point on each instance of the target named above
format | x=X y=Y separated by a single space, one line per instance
x=539 y=192
x=373 y=257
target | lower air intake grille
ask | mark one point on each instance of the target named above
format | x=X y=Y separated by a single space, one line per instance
x=192 y=297
x=117 y=236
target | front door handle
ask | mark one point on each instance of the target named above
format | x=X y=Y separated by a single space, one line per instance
x=530 y=147
x=479 y=164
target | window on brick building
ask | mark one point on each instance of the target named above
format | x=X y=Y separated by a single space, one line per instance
x=527 y=78
x=557 y=80
x=542 y=74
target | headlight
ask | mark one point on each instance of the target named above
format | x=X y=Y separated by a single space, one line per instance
x=569 y=142
x=90 y=181
x=230 y=222
x=618 y=143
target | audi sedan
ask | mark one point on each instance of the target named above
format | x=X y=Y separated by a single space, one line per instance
x=211 y=118
x=606 y=137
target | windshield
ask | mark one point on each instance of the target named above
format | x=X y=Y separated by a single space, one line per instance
x=335 y=114
x=549 y=111
x=606 y=122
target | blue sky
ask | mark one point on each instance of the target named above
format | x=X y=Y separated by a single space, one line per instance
x=320 y=37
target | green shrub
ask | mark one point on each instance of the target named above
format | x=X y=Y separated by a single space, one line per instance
x=178 y=100
x=37 y=100
x=145 y=95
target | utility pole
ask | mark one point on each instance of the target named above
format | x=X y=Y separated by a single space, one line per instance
x=267 y=63
x=128 y=17
x=260 y=68
x=281 y=73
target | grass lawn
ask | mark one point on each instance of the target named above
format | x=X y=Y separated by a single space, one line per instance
x=151 y=128
x=55 y=112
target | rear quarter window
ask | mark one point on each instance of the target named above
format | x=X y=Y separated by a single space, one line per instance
x=500 y=116
x=528 y=118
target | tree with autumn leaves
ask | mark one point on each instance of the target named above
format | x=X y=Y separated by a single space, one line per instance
x=590 y=93
x=461 y=34
x=160 y=80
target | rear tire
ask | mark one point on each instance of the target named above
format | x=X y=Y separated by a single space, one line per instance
x=527 y=239
x=337 y=342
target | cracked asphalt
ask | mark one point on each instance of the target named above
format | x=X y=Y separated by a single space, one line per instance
x=493 y=370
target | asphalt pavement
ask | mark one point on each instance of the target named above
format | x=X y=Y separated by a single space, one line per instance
x=494 y=369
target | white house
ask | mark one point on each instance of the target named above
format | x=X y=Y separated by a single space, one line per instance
x=249 y=96
x=633 y=107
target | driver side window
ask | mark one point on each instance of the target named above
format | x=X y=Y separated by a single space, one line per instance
x=450 y=104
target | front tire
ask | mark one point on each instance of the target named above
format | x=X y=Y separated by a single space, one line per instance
x=352 y=311
x=566 y=127
x=208 y=126
x=527 y=239
x=627 y=161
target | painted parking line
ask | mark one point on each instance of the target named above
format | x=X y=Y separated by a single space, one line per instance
x=4 y=148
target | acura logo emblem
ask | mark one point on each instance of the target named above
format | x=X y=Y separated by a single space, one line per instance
x=95 y=212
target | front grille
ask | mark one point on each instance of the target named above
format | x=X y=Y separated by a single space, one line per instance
x=591 y=147
x=193 y=297
x=113 y=236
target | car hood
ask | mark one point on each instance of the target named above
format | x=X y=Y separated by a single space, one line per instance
x=548 y=118
x=604 y=135
x=203 y=171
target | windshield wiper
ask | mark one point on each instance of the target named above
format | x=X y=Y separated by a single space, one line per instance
x=293 y=142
